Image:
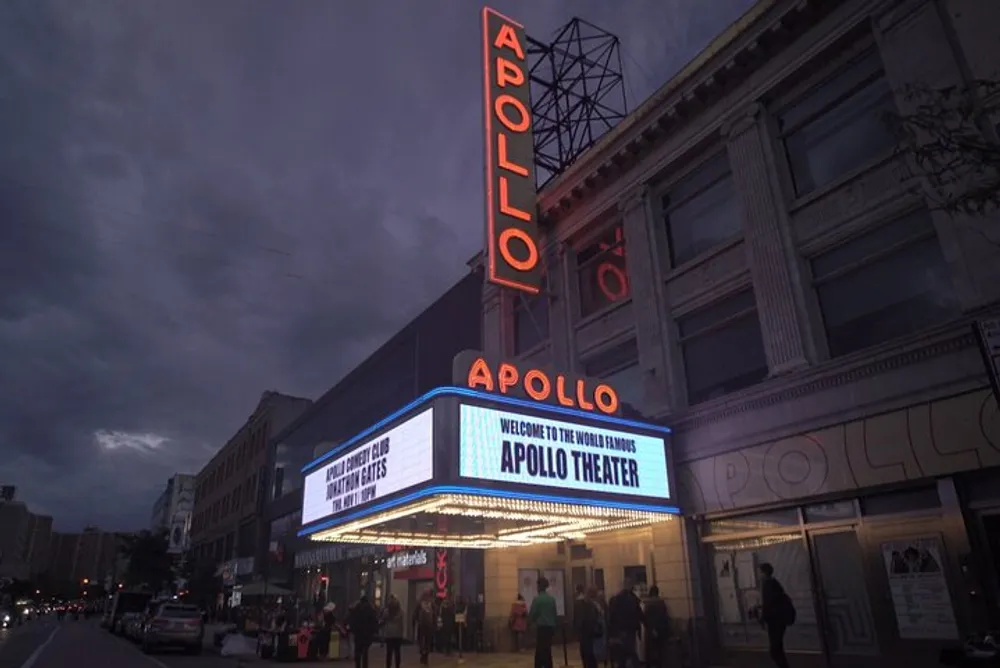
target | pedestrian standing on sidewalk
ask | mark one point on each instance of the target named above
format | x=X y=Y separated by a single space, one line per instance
x=625 y=619
x=589 y=620
x=392 y=631
x=363 y=622
x=777 y=613
x=544 y=616
x=657 y=623
x=518 y=620
x=425 y=622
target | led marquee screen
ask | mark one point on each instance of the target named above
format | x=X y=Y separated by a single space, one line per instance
x=517 y=447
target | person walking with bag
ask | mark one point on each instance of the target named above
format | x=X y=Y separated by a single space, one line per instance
x=392 y=631
x=777 y=613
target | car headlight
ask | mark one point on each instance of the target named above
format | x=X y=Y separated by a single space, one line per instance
x=6 y=618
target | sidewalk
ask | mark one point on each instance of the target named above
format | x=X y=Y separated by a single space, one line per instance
x=525 y=659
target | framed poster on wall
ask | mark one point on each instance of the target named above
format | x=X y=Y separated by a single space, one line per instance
x=920 y=597
x=527 y=586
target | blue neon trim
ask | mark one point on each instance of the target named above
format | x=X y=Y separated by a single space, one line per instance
x=480 y=491
x=484 y=396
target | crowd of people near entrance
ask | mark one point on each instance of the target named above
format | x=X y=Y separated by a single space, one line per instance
x=609 y=631
x=362 y=625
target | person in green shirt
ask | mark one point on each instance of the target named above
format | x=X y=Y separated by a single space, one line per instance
x=543 y=616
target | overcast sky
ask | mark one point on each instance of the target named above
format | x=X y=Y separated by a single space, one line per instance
x=203 y=200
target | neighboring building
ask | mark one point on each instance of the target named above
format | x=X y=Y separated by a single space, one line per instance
x=39 y=548
x=24 y=540
x=226 y=524
x=415 y=360
x=800 y=314
x=15 y=540
x=90 y=555
x=172 y=511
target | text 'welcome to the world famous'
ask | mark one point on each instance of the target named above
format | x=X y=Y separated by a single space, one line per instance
x=592 y=456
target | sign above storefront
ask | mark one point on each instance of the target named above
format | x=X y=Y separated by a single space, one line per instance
x=552 y=472
x=515 y=447
x=512 y=229
x=473 y=370
x=385 y=463
x=404 y=560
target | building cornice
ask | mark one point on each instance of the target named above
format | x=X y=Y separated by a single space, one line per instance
x=768 y=27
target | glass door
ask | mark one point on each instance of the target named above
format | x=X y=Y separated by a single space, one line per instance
x=842 y=597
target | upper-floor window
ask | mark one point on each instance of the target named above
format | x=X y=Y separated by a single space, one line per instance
x=839 y=125
x=619 y=367
x=602 y=269
x=722 y=347
x=531 y=321
x=701 y=211
x=884 y=284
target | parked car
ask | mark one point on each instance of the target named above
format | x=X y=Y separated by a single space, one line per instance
x=124 y=602
x=128 y=623
x=174 y=625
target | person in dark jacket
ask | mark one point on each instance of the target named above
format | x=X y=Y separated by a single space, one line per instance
x=625 y=619
x=657 y=624
x=363 y=623
x=774 y=613
x=589 y=620
x=393 y=626
x=425 y=622
x=446 y=612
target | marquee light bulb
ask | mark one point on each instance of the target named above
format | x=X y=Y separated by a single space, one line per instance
x=540 y=522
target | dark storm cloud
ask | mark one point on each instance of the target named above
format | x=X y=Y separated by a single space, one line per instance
x=201 y=201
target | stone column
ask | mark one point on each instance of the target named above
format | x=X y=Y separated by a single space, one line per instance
x=675 y=555
x=645 y=275
x=499 y=591
x=493 y=322
x=770 y=253
x=560 y=327
x=570 y=303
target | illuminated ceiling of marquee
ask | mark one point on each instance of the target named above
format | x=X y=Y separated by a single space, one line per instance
x=470 y=521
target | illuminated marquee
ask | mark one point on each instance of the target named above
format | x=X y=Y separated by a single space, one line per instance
x=471 y=369
x=512 y=239
x=507 y=472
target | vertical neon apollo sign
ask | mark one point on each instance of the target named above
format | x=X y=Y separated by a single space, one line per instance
x=512 y=229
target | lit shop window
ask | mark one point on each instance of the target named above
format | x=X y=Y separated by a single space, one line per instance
x=737 y=590
x=603 y=272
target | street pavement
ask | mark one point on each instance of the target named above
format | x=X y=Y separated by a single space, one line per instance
x=47 y=643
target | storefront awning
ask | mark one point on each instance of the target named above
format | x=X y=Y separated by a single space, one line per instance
x=460 y=468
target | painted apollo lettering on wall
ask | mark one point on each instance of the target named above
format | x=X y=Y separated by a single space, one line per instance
x=512 y=239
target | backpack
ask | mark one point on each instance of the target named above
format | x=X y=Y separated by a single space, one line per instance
x=789 y=609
